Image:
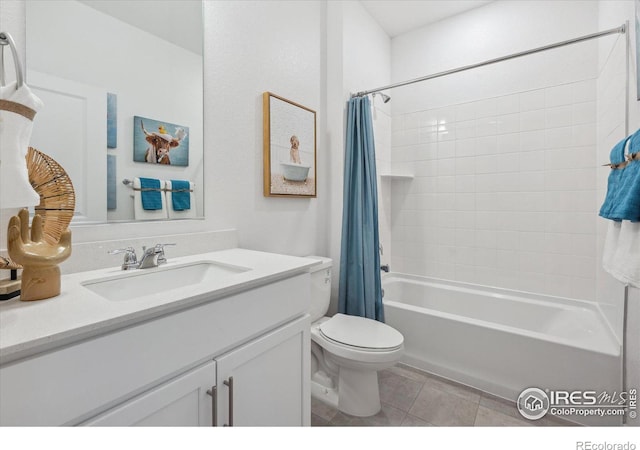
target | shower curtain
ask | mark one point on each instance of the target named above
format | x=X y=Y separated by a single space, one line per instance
x=360 y=285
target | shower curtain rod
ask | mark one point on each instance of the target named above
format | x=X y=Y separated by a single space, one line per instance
x=618 y=30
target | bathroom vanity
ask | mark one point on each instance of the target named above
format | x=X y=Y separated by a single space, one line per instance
x=215 y=339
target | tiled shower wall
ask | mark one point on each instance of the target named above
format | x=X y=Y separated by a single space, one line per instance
x=504 y=191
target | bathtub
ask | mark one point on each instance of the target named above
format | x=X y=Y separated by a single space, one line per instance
x=502 y=341
x=294 y=172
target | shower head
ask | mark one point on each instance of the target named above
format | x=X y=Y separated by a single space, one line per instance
x=385 y=98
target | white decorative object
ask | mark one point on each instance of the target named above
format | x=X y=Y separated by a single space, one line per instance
x=18 y=107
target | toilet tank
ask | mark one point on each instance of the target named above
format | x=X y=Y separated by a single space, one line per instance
x=320 y=287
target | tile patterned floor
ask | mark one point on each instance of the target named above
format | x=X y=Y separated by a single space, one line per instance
x=411 y=397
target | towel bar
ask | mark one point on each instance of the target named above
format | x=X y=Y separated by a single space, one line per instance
x=129 y=183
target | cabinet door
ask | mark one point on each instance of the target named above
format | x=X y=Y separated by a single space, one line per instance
x=181 y=401
x=266 y=381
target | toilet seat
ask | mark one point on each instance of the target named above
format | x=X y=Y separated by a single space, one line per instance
x=378 y=351
x=365 y=334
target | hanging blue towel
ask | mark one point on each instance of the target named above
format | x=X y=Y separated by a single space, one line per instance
x=150 y=194
x=613 y=184
x=181 y=195
x=626 y=205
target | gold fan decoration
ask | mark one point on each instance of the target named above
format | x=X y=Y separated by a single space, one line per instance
x=57 y=197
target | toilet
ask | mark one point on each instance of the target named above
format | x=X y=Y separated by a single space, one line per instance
x=347 y=351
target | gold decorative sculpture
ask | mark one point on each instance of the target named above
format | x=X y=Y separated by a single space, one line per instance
x=47 y=243
x=39 y=259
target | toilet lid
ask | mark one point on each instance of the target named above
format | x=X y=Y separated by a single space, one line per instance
x=361 y=332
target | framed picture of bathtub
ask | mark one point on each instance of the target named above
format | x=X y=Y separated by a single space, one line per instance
x=289 y=148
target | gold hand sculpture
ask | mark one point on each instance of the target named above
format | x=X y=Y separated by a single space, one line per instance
x=40 y=274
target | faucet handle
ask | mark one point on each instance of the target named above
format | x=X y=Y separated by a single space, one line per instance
x=130 y=258
x=160 y=249
x=128 y=251
x=162 y=246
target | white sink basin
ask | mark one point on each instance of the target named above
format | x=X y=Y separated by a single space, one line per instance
x=143 y=282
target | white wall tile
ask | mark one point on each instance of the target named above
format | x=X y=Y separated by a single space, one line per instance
x=532 y=140
x=508 y=104
x=532 y=100
x=558 y=95
x=532 y=120
x=559 y=116
x=507 y=196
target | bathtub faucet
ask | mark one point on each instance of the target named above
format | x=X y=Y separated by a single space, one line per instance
x=385 y=268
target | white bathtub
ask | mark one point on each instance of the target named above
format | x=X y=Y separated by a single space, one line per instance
x=294 y=172
x=502 y=341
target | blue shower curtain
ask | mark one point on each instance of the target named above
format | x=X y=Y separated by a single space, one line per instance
x=360 y=285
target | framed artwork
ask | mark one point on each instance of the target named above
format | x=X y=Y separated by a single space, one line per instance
x=289 y=148
x=156 y=142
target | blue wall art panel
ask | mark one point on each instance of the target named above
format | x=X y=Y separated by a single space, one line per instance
x=112 y=199
x=112 y=120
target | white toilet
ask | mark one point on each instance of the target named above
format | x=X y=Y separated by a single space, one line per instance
x=347 y=351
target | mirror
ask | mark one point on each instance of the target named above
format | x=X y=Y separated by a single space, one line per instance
x=122 y=86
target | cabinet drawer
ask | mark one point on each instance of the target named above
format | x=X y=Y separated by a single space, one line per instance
x=182 y=401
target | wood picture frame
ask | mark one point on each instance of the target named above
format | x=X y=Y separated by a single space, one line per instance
x=289 y=148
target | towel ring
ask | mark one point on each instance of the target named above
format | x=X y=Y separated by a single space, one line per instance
x=6 y=39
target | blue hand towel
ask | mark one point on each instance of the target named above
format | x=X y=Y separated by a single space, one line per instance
x=150 y=194
x=180 y=195
x=626 y=205
x=615 y=176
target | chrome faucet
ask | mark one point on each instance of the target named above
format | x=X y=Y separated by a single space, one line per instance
x=152 y=257
x=385 y=268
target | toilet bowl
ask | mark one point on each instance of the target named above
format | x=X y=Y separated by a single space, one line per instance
x=347 y=352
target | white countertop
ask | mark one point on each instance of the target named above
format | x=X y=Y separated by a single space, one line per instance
x=27 y=328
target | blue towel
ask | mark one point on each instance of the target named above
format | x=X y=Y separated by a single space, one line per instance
x=626 y=205
x=615 y=176
x=180 y=195
x=150 y=194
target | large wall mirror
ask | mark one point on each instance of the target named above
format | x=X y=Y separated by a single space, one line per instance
x=122 y=87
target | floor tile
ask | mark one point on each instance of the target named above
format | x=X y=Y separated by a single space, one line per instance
x=413 y=421
x=443 y=409
x=487 y=417
x=387 y=417
x=408 y=372
x=453 y=388
x=322 y=410
x=500 y=405
x=317 y=421
x=398 y=390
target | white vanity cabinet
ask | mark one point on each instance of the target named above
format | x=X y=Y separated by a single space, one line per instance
x=158 y=371
x=264 y=383
x=261 y=383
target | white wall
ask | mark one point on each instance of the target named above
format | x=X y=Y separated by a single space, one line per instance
x=358 y=58
x=250 y=47
x=253 y=47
